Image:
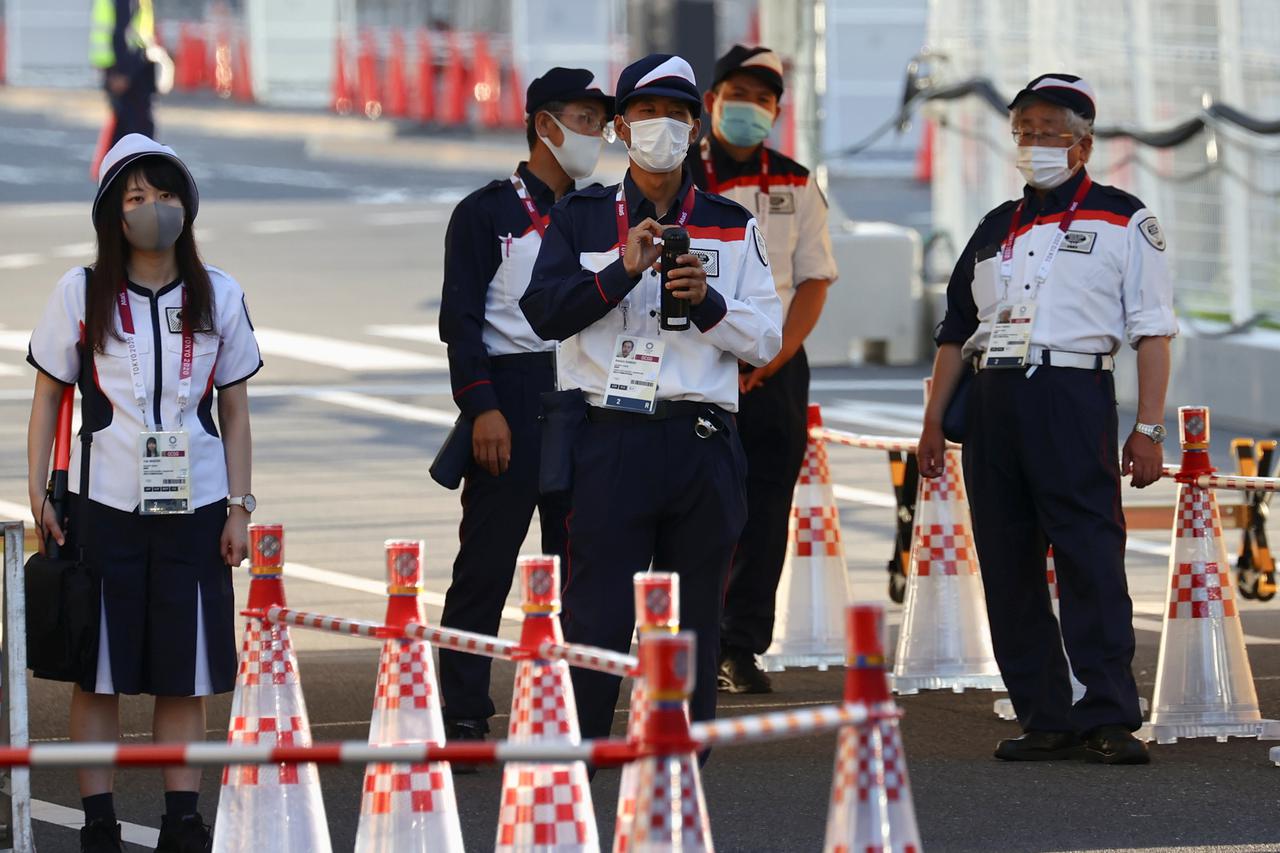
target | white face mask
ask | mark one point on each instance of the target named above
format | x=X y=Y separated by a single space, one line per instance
x=1044 y=167
x=578 y=154
x=659 y=144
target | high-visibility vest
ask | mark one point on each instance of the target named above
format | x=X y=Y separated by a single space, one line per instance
x=140 y=33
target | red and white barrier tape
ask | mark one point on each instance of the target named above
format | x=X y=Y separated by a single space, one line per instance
x=783 y=724
x=587 y=657
x=464 y=641
x=866 y=442
x=1228 y=481
x=333 y=624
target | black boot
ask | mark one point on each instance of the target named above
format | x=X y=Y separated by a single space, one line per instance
x=739 y=673
x=186 y=834
x=101 y=836
x=1040 y=746
x=1114 y=745
x=459 y=731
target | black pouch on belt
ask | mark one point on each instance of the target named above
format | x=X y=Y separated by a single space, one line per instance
x=956 y=415
x=454 y=456
x=563 y=414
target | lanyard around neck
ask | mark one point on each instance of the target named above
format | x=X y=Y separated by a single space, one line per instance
x=624 y=221
x=135 y=363
x=708 y=166
x=529 y=207
x=1042 y=274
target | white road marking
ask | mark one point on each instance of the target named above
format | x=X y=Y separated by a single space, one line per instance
x=283 y=226
x=12 y=339
x=74 y=819
x=10 y=370
x=864 y=496
x=896 y=417
x=21 y=260
x=866 y=385
x=342 y=580
x=10 y=511
x=407 y=217
x=389 y=408
x=423 y=334
x=76 y=250
x=343 y=355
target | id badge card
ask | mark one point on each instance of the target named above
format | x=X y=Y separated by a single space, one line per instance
x=1010 y=335
x=764 y=203
x=632 y=385
x=164 y=468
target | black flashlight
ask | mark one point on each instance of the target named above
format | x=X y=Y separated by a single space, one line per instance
x=675 y=311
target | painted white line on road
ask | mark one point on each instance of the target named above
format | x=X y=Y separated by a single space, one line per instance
x=74 y=819
x=866 y=385
x=283 y=226
x=342 y=580
x=343 y=355
x=896 y=417
x=389 y=408
x=408 y=217
x=12 y=339
x=864 y=496
x=423 y=334
x=10 y=370
x=1155 y=549
x=10 y=511
x=76 y=250
x=21 y=260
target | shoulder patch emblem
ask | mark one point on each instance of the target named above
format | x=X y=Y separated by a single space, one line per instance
x=1150 y=228
x=762 y=251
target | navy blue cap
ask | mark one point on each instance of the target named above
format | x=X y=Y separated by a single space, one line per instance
x=759 y=62
x=565 y=84
x=661 y=74
x=1065 y=90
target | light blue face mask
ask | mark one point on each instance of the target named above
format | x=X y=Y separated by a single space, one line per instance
x=742 y=123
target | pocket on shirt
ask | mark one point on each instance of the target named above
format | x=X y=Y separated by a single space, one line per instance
x=987 y=286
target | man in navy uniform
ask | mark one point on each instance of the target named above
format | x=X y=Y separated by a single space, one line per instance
x=734 y=161
x=498 y=367
x=1045 y=293
x=659 y=471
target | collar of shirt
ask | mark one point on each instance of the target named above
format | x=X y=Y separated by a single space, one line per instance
x=1055 y=200
x=640 y=207
x=148 y=292
x=726 y=167
x=543 y=196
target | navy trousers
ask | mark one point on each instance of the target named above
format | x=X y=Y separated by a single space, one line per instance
x=773 y=420
x=496 y=512
x=1041 y=467
x=650 y=492
x=132 y=112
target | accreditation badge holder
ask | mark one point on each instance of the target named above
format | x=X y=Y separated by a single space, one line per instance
x=1010 y=335
x=632 y=385
x=164 y=467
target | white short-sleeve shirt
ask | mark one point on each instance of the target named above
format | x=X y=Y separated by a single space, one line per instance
x=224 y=356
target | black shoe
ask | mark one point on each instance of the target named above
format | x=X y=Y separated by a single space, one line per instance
x=1040 y=746
x=101 y=836
x=739 y=673
x=463 y=730
x=1114 y=745
x=186 y=834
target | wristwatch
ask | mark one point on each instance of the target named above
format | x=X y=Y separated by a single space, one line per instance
x=1155 y=432
x=249 y=502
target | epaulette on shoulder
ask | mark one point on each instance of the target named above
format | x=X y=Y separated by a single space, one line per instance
x=727 y=202
x=998 y=210
x=781 y=164
x=592 y=191
x=1119 y=201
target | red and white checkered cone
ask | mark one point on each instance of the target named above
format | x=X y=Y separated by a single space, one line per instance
x=945 y=640
x=814 y=586
x=407 y=807
x=671 y=811
x=279 y=802
x=871 y=806
x=657 y=611
x=1004 y=707
x=544 y=807
x=1204 y=683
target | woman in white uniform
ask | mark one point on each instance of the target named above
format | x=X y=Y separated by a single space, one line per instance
x=149 y=333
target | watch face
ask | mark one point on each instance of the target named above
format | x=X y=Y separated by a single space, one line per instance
x=250 y=503
x=1159 y=432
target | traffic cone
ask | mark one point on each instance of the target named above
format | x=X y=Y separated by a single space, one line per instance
x=407 y=807
x=945 y=640
x=367 y=75
x=1204 y=683
x=871 y=805
x=657 y=611
x=342 y=94
x=453 y=111
x=425 y=103
x=221 y=71
x=513 y=93
x=1004 y=707
x=815 y=583
x=488 y=86
x=102 y=147
x=280 y=802
x=544 y=807
x=397 y=103
x=241 y=81
x=671 y=811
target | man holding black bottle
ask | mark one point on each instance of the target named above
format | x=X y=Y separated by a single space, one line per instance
x=659 y=472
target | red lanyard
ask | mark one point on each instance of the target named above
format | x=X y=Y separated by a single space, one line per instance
x=135 y=363
x=714 y=186
x=1006 y=251
x=529 y=207
x=624 y=222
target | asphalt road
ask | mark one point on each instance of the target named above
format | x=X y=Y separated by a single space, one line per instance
x=341 y=262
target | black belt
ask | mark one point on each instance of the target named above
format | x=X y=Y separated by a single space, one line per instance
x=528 y=360
x=665 y=410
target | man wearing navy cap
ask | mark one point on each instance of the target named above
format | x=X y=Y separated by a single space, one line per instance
x=498 y=368
x=1047 y=290
x=659 y=472
x=733 y=161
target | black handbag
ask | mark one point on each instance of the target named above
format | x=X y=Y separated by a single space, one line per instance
x=563 y=414
x=956 y=416
x=454 y=457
